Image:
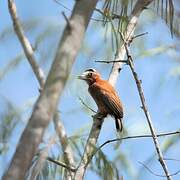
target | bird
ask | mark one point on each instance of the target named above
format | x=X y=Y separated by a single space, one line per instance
x=105 y=96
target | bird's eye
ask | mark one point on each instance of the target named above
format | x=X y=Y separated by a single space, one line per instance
x=89 y=74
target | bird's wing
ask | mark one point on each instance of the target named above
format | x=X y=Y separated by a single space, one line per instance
x=112 y=102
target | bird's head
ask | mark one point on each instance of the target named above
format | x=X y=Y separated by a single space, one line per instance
x=90 y=76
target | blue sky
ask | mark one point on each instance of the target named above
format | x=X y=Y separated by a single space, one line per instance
x=160 y=87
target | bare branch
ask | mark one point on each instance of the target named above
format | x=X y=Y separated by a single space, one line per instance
x=68 y=155
x=171 y=159
x=61 y=164
x=136 y=137
x=89 y=148
x=65 y=7
x=119 y=139
x=136 y=36
x=83 y=103
x=113 y=15
x=139 y=35
x=61 y=4
x=28 y=50
x=144 y=106
x=121 y=52
x=159 y=175
x=116 y=61
x=47 y=102
x=41 y=159
x=67 y=20
x=67 y=150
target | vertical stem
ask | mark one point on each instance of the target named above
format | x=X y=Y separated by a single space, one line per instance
x=96 y=126
x=29 y=52
x=47 y=102
x=68 y=154
x=146 y=112
x=148 y=117
x=89 y=148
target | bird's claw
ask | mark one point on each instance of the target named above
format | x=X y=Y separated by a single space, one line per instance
x=98 y=115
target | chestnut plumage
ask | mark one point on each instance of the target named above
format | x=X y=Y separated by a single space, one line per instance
x=105 y=96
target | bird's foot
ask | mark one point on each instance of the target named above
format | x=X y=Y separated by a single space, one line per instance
x=98 y=119
x=99 y=116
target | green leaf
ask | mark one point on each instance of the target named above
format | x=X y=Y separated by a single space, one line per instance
x=165 y=9
x=28 y=25
x=14 y=63
x=9 y=116
x=175 y=72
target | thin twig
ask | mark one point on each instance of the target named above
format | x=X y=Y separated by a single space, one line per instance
x=116 y=61
x=61 y=164
x=67 y=20
x=65 y=7
x=134 y=137
x=113 y=15
x=129 y=33
x=171 y=159
x=136 y=36
x=64 y=141
x=28 y=50
x=139 y=35
x=159 y=175
x=81 y=100
x=42 y=156
x=61 y=4
x=144 y=106
x=115 y=140
x=99 y=11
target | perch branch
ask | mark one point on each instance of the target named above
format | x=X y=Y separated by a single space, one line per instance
x=89 y=148
x=97 y=123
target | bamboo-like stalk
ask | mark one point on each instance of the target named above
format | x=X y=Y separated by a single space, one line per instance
x=29 y=52
x=46 y=104
x=97 y=122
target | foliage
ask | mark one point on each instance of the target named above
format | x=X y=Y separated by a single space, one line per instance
x=10 y=116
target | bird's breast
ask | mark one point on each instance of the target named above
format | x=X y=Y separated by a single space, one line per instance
x=96 y=93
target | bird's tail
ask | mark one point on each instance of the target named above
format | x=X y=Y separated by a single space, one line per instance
x=119 y=126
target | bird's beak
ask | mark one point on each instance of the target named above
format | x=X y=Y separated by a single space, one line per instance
x=82 y=77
